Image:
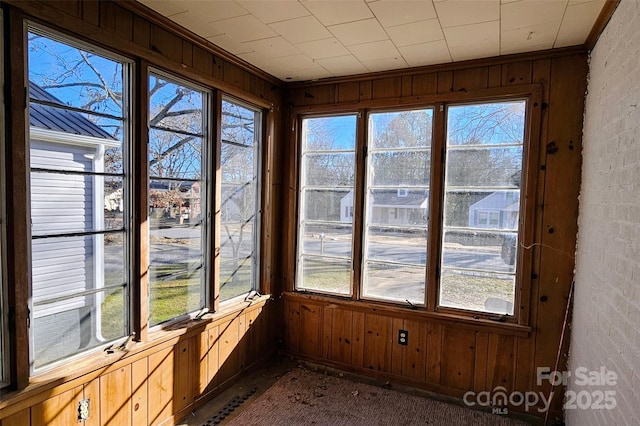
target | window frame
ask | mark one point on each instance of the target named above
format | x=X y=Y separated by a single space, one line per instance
x=532 y=94
x=129 y=67
x=5 y=361
x=209 y=192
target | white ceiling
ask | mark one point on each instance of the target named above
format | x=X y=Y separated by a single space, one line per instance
x=297 y=40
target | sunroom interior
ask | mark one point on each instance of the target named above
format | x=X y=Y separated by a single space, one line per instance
x=434 y=195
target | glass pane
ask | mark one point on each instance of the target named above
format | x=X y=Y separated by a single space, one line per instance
x=486 y=251
x=174 y=106
x=402 y=207
x=402 y=129
x=173 y=203
x=500 y=167
x=77 y=324
x=486 y=124
x=395 y=282
x=477 y=292
x=172 y=155
x=238 y=163
x=329 y=205
x=62 y=73
x=403 y=168
x=482 y=210
x=327 y=239
x=329 y=133
x=325 y=275
x=332 y=170
x=240 y=125
x=397 y=245
x=239 y=200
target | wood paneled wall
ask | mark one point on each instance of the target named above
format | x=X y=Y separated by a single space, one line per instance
x=158 y=383
x=446 y=355
x=170 y=371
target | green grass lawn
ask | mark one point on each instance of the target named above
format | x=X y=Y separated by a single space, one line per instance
x=174 y=290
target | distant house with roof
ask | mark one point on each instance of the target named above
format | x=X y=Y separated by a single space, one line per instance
x=498 y=210
x=60 y=138
x=391 y=207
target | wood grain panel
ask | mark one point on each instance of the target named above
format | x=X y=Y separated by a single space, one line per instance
x=59 y=410
x=482 y=360
x=516 y=73
x=243 y=344
x=458 y=358
x=166 y=43
x=434 y=352
x=293 y=325
x=500 y=365
x=140 y=389
x=310 y=329
x=161 y=385
x=91 y=392
x=414 y=355
x=396 y=349
x=115 y=397
x=348 y=92
x=424 y=84
x=91 y=12
x=357 y=350
x=377 y=342
x=141 y=32
x=494 y=78
x=213 y=359
x=445 y=81
x=387 y=88
x=365 y=91
x=228 y=352
x=470 y=79
x=327 y=319
x=184 y=374
x=341 y=335
x=21 y=418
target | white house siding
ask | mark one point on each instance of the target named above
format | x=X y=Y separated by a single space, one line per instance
x=61 y=203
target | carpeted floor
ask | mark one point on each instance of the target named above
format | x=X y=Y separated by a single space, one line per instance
x=303 y=397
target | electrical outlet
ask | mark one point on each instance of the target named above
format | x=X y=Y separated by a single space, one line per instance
x=403 y=337
x=83 y=410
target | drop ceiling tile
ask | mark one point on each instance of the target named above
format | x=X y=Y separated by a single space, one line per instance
x=193 y=22
x=435 y=52
x=391 y=13
x=473 y=41
x=166 y=7
x=359 y=32
x=527 y=39
x=527 y=13
x=224 y=9
x=415 y=33
x=577 y=23
x=245 y=28
x=373 y=51
x=229 y=44
x=275 y=47
x=301 y=30
x=320 y=49
x=294 y=62
x=306 y=75
x=332 y=12
x=343 y=65
x=275 y=10
x=257 y=59
x=453 y=13
x=385 y=64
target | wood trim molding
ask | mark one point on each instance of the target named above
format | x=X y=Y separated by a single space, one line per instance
x=606 y=13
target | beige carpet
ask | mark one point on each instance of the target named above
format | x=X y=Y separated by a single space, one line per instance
x=302 y=397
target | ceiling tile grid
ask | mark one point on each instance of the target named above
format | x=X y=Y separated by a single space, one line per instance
x=297 y=40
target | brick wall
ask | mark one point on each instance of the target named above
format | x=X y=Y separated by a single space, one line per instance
x=606 y=319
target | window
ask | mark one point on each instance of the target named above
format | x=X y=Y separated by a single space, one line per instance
x=483 y=171
x=464 y=182
x=240 y=200
x=396 y=205
x=79 y=140
x=327 y=179
x=178 y=208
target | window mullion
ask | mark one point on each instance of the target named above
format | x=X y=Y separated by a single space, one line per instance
x=435 y=207
x=362 y=135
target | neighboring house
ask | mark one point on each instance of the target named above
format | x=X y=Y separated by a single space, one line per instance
x=59 y=203
x=391 y=207
x=498 y=210
x=182 y=202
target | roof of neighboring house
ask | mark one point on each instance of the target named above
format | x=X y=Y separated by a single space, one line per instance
x=390 y=198
x=58 y=119
x=498 y=201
